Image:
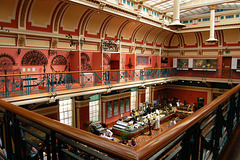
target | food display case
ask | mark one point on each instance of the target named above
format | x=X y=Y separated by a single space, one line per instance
x=208 y=64
x=140 y=126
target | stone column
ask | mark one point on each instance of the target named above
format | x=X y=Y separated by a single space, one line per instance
x=212 y=24
x=176 y=16
x=176 y=9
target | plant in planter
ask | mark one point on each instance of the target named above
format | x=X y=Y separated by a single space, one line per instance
x=89 y=127
x=124 y=136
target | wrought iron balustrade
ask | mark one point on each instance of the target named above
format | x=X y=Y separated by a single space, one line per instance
x=26 y=84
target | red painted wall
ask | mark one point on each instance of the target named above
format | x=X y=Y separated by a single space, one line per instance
x=130 y=61
x=38 y=68
x=186 y=95
x=84 y=117
x=142 y=97
x=53 y=116
x=156 y=62
x=96 y=61
x=75 y=61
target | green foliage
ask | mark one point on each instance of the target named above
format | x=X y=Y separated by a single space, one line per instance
x=89 y=127
x=124 y=136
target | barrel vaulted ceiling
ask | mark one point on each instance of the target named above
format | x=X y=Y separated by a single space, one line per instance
x=57 y=18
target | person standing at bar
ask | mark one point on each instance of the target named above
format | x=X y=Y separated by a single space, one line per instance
x=150 y=126
x=157 y=123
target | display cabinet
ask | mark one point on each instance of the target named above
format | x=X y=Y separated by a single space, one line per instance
x=181 y=63
x=236 y=64
x=208 y=64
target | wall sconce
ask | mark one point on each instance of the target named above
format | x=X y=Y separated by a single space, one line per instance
x=69 y=36
x=74 y=43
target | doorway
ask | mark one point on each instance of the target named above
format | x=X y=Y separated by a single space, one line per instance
x=226 y=67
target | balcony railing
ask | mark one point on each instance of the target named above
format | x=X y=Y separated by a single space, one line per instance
x=202 y=135
x=26 y=84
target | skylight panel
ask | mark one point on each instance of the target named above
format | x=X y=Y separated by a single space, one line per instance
x=225 y=5
x=158 y=6
x=168 y=6
x=150 y=3
x=205 y=8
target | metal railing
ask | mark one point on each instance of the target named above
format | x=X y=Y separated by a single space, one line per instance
x=201 y=135
x=26 y=84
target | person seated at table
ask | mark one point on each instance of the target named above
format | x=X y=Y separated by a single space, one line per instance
x=133 y=142
x=108 y=133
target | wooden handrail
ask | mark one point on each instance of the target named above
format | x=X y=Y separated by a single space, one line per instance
x=94 y=71
x=94 y=141
x=157 y=143
x=119 y=150
x=71 y=72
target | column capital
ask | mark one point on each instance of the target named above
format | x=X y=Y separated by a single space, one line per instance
x=213 y=7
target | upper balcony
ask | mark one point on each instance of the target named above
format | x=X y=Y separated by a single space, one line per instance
x=29 y=88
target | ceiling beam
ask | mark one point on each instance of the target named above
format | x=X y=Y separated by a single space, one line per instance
x=163 y=1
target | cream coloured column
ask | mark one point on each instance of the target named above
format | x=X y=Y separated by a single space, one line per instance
x=176 y=16
x=212 y=24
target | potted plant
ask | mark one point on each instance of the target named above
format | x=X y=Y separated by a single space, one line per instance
x=124 y=136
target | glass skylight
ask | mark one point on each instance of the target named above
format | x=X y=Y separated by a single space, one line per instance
x=165 y=6
x=162 y=4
